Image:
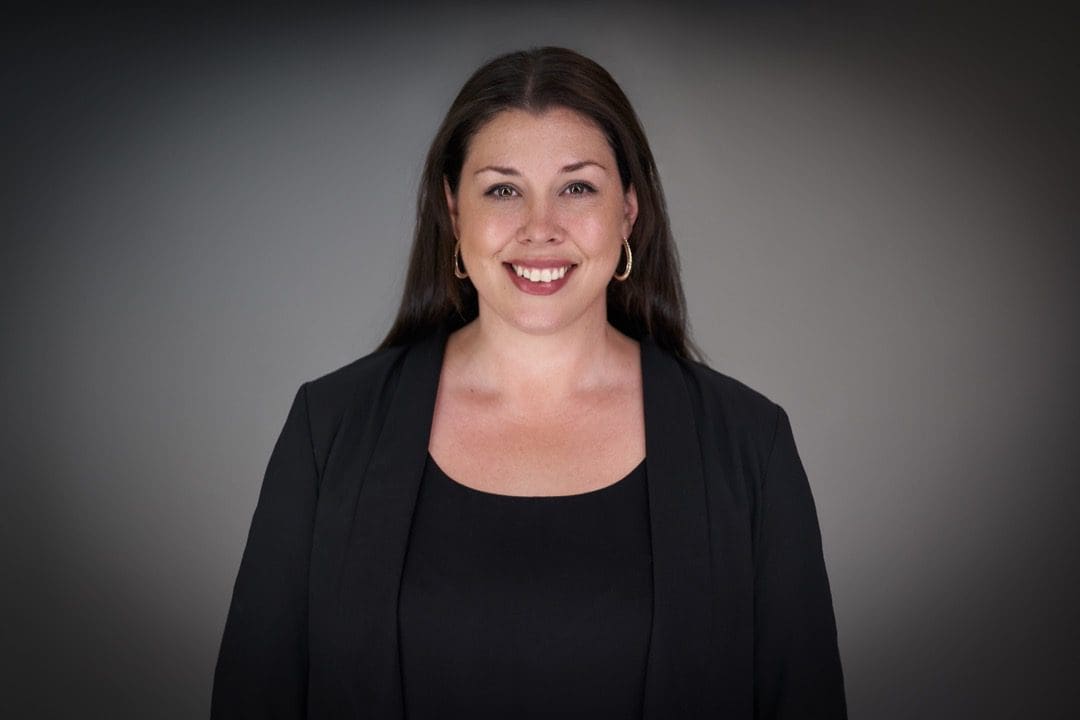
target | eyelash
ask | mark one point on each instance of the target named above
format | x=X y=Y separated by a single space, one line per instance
x=494 y=190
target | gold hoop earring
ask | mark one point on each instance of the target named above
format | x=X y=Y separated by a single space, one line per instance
x=629 y=262
x=459 y=274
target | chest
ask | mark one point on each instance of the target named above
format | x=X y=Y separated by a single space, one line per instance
x=367 y=504
x=583 y=446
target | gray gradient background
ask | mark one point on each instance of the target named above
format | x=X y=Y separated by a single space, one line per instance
x=876 y=213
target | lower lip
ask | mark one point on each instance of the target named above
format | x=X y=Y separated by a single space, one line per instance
x=539 y=288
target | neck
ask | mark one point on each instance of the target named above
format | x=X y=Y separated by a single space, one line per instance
x=494 y=356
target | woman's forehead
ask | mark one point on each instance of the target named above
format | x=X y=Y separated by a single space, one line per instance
x=556 y=137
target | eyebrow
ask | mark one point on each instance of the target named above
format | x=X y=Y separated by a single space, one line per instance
x=572 y=167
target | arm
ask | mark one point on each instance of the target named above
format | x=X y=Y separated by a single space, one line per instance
x=797 y=670
x=262 y=665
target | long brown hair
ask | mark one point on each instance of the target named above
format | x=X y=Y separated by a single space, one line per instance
x=649 y=304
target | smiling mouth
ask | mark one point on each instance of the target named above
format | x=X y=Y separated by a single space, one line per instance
x=540 y=275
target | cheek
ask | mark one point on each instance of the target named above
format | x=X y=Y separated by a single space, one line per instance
x=598 y=231
x=486 y=227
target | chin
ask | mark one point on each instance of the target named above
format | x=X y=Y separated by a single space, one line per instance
x=542 y=315
x=537 y=323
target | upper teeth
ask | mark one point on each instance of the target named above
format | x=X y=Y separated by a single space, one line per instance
x=540 y=275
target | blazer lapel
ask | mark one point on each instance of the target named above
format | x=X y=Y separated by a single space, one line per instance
x=676 y=678
x=382 y=521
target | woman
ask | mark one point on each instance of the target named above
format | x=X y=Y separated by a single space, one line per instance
x=532 y=500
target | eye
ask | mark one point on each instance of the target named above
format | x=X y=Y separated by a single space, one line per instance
x=579 y=188
x=501 y=191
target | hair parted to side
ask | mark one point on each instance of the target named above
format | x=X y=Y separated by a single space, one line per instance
x=649 y=304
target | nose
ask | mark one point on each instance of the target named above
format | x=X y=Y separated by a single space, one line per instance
x=540 y=223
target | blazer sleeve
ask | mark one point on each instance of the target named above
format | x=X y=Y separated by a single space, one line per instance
x=796 y=657
x=262 y=664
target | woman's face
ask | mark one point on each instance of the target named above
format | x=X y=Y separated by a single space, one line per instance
x=541 y=214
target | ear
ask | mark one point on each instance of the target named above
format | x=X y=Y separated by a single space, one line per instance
x=451 y=204
x=630 y=210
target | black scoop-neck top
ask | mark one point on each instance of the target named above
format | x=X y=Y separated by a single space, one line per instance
x=526 y=606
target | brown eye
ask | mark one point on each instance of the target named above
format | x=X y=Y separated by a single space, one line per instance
x=579 y=188
x=502 y=191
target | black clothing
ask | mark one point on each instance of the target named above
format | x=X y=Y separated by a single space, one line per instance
x=742 y=623
x=526 y=607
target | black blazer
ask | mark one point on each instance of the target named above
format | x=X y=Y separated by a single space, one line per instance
x=743 y=623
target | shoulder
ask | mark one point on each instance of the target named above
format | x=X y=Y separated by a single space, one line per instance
x=715 y=392
x=733 y=417
x=362 y=383
x=336 y=386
